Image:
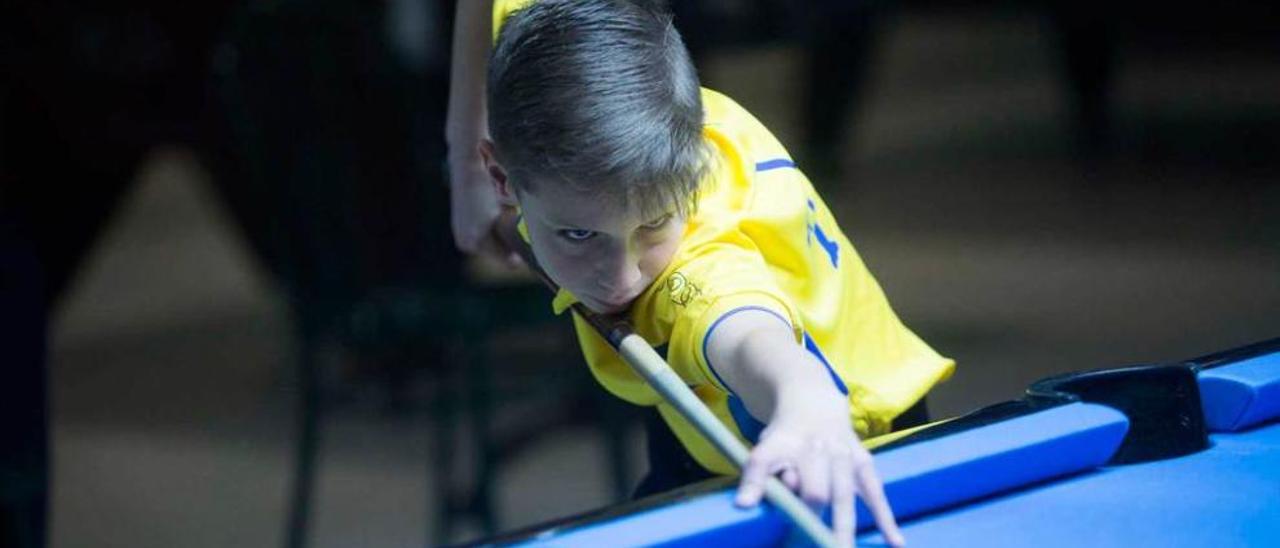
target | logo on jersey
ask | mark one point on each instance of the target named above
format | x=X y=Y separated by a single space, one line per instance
x=682 y=291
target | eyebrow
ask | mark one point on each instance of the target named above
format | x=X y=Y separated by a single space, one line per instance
x=662 y=217
x=561 y=224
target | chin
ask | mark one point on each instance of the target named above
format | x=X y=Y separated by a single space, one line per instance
x=602 y=308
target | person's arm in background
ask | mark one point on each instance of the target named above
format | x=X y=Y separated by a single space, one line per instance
x=473 y=205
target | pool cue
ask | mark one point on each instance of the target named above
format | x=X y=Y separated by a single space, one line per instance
x=658 y=373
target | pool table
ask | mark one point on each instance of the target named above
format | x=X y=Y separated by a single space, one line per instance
x=1181 y=454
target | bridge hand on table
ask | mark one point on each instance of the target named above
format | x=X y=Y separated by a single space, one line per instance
x=824 y=466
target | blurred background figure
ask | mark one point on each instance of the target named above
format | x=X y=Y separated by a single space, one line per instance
x=232 y=220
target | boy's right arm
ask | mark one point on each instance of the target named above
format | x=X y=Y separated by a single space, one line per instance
x=809 y=439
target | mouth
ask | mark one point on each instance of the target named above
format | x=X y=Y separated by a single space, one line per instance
x=609 y=306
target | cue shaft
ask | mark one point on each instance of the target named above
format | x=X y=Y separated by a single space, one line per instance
x=659 y=375
x=642 y=357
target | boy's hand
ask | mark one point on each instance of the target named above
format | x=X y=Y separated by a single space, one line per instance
x=815 y=452
x=474 y=208
x=809 y=442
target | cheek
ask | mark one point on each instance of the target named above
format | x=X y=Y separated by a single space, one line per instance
x=563 y=268
x=657 y=257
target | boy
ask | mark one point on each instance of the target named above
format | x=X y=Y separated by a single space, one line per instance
x=643 y=194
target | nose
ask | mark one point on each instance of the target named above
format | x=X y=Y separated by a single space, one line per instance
x=619 y=272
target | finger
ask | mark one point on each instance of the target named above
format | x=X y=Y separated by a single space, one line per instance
x=844 y=518
x=754 y=473
x=785 y=471
x=514 y=260
x=873 y=493
x=815 y=476
x=464 y=237
x=502 y=250
x=790 y=478
x=751 y=487
x=470 y=239
x=491 y=246
x=505 y=237
x=465 y=242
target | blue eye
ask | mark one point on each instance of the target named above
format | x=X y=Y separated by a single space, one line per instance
x=577 y=235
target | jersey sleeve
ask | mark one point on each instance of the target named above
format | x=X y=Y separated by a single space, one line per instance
x=710 y=281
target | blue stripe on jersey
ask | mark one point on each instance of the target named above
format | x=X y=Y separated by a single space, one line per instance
x=747 y=424
x=812 y=347
x=776 y=163
x=832 y=248
x=707 y=338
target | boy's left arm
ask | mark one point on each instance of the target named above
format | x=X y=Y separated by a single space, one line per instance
x=809 y=440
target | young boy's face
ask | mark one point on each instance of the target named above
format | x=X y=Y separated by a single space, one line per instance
x=603 y=252
x=606 y=254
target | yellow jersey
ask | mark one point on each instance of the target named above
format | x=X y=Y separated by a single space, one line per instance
x=761 y=238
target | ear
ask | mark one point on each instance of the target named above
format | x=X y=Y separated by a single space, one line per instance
x=497 y=174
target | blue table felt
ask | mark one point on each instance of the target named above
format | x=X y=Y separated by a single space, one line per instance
x=1243 y=394
x=1038 y=479
x=1227 y=495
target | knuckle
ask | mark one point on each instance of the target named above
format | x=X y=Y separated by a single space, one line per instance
x=815 y=495
x=755 y=461
x=844 y=453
